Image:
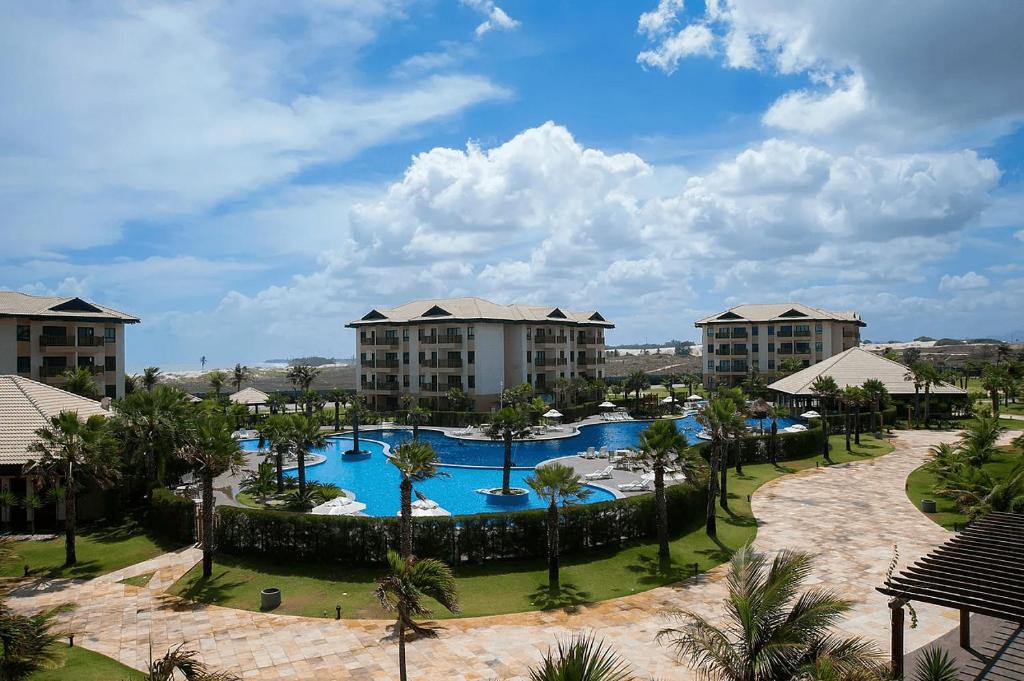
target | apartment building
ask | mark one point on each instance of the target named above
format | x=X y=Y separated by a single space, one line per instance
x=41 y=337
x=758 y=338
x=426 y=347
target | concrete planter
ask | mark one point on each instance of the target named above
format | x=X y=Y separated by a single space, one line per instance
x=928 y=505
x=353 y=454
x=270 y=598
x=517 y=496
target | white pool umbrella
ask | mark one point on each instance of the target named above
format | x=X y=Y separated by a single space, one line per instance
x=552 y=414
x=607 y=405
x=694 y=398
x=810 y=415
x=668 y=400
x=339 y=506
x=426 y=507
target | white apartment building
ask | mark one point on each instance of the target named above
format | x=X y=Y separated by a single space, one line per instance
x=758 y=338
x=41 y=337
x=426 y=347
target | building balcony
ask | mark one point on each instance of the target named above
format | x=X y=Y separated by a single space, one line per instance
x=441 y=363
x=802 y=350
x=739 y=334
x=589 y=340
x=56 y=341
x=802 y=334
x=723 y=351
x=52 y=372
x=591 y=361
x=95 y=370
x=445 y=339
x=784 y=334
x=739 y=350
x=91 y=342
x=550 y=340
x=380 y=341
x=722 y=334
x=432 y=388
x=551 y=362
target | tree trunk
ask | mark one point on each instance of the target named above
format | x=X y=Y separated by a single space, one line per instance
x=301 y=456
x=355 y=432
x=280 y=471
x=723 y=482
x=994 y=395
x=337 y=417
x=917 y=407
x=846 y=424
x=927 y=404
x=739 y=457
x=856 y=425
x=553 y=581
x=506 y=469
x=874 y=416
x=415 y=429
x=406 y=527
x=70 y=524
x=659 y=501
x=207 y=525
x=710 y=522
x=773 y=453
x=824 y=431
x=402 y=674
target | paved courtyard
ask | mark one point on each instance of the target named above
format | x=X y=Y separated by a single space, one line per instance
x=852 y=515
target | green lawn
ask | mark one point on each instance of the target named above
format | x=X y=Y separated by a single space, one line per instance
x=84 y=665
x=921 y=483
x=101 y=548
x=508 y=586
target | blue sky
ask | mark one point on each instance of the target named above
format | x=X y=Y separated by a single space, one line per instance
x=246 y=177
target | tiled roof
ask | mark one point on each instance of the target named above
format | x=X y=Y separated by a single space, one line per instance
x=853 y=367
x=27 y=405
x=249 y=396
x=15 y=304
x=778 y=312
x=477 y=309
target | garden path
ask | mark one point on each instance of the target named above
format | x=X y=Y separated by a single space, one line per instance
x=851 y=514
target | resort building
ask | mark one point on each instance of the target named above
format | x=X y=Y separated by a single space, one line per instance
x=41 y=337
x=759 y=338
x=425 y=348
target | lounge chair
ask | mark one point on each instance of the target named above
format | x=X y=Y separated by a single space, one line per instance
x=635 y=486
x=604 y=452
x=602 y=474
x=590 y=453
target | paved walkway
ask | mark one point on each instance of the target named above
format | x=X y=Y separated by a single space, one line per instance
x=851 y=514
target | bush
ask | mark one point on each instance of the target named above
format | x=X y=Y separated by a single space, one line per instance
x=476 y=539
x=172 y=516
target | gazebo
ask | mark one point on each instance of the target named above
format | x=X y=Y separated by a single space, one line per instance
x=250 y=397
x=980 y=570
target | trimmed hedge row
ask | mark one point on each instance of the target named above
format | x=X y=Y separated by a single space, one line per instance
x=172 y=516
x=465 y=539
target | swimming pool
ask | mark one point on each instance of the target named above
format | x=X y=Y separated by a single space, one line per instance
x=470 y=465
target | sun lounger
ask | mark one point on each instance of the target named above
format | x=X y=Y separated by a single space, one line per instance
x=634 y=486
x=590 y=453
x=604 y=452
x=602 y=474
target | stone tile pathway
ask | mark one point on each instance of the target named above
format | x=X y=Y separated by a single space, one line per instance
x=852 y=515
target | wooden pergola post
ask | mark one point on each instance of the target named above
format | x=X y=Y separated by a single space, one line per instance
x=965 y=628
x=896 y=651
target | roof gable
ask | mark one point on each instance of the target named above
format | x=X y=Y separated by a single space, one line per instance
x=596 y=317
x=792 y=312
x=729 y=315
x=436 y=311
x=557 y=314
x=75 y=305
x=373 y=314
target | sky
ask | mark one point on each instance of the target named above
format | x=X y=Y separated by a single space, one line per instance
x=246 y=177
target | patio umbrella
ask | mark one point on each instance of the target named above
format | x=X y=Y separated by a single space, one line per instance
x=607 y=405
x=339 y=506
x=694 y=398
x=552 y=414
x=668 y=400
x=426 y=507
x=810 y=415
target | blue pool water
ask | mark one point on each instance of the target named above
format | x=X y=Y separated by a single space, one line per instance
x=374 y=481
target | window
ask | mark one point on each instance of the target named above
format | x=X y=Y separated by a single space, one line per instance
x=561 y=374
x=771 y=364
x=471 y=381
x=528 y=332
x=572 y=374
x=391 y=333
x=405 y=358
x=110 y=363
x=469 y=332
x=110 y=391
x=405 y=333
x=572 y=355
x=753 y=348
x=405 y=381
x=771 y=348
x=529 y=356
x=24 y=365
x=24 y=332
x=453 y=331
x=753 y=330
x=110 y=334
x=471 y=357
x=754 y=363
x=711 y=348
x=711 y=365
x=817 y=327
x=529 y=378
x=771 y=330
x=817 y=348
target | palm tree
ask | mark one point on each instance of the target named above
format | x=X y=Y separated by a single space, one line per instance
x=662 y=446
x=302 y=377
x=582 y=658
x=789 y=366
x=276 y=402
x=76 y=451
x=508 y=424
x=217 y=379
x=79 y=381
x=876 y=394
x=637 y=381
x=993 y=376
x=554 y=482
x=774 y=413
x=210 y=449
x=826 y=390
x=670 y=381
x=772 y=630
x=260 y=483
x=355 y=409
x=240 y=375
x=148 y=424
x=415 y=461
x=131 y=383
x=275 y=432
x=150 y=377
x=404 y=590
x=28 y=643
x=718 y=418
x=32 y=503
x=304 y=435
x=418 y=416
x=457 y=399
x=186 y=662
x=847 y=397
x=337 y=396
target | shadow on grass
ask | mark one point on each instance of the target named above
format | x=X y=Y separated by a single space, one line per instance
x=568 y=596
x=211 y=589
x=654 y=572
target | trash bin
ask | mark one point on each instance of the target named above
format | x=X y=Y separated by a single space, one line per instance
x=928 y=505
x=270 y=598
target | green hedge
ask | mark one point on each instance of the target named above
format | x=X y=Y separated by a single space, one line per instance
x=465 y=539
x=172 y=516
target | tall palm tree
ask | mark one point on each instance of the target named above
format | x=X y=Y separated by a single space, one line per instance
x=356 y=408
x=418 y=416
x=556 y=482
x=993 y=376
x=79 y=380
x=337 y=396
x=239 y=375
x=876 y=394
x=661 y=446
x=217 y=379
x=302 y=377
x=772 y=630
x=718 y=418
x=210 y=449
x=670 y=381
x=150 y=377
x=826 y=390
x=304 y=435
x=276 y=402
x=260 y=483
x=508 y=424
x=788 y=366
x=582 y=658
x=275 y=431
x=404 y=590
x=186 y=662
x=75 y=451
x=915 y=372
x=636 y=382
x=415 y=461
x=147 y=425
x=847 y=397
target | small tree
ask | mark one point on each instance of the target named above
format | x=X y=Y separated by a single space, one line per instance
x=415 y=461
x=275 y=432
x=661 y=446
x=79 y=381
x=240 y=375
x=303 y=436
x=260 y=483
x=217 y=379
x=404 y=590
x=876 y=394
x=826 y=390
x=582 y=658
x=508 y=424
x=337 y=397
x=187 y=663
x=150 y=377
x=556 y=482
x=76 y=451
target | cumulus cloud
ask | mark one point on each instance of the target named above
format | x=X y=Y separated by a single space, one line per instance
x=496 y=18
x=695 y=39
x=962 y=282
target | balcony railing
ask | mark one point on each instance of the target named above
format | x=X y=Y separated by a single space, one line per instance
x=385 y=341
x=432 y=388
x=441 y=363
x=784 y=351
x=589 y=340
x=95 y=370
x=56 y=341
x=551 y=340
x=591 y=361
x=802 y=334
x=784 y=334
x=451 y=339
x=91 y=341
x=739 y=334
x=802 y=350
x=739 y=349
x=723 y=351
x=722 y=334
x=551 y=362
x=52 y=372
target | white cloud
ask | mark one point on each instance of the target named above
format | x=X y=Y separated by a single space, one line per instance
x=962 y=282
x=695 y=39
x=496 y=17
x=1020 y=235
x=819 y=112
x=661 y=19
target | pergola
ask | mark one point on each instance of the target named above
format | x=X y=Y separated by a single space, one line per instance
x=980 y=570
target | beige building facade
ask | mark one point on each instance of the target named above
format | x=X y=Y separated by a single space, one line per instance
x=41 y=337
x=427 y=347
x=750 y=339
